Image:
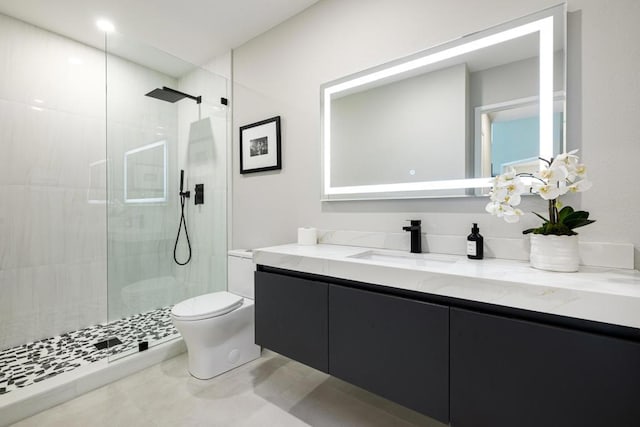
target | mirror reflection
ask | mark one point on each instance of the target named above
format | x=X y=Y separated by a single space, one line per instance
x=445 y=120
x=145 y=173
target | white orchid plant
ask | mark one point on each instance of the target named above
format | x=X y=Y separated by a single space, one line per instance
x=561 y=175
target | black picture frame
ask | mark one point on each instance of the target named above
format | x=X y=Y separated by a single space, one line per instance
x=260 y=146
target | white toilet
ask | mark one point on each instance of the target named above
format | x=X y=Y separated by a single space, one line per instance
x=218 y=328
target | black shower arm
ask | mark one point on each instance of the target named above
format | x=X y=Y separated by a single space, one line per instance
x=198 y=99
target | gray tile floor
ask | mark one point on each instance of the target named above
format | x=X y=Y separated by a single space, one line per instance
x=270 y=391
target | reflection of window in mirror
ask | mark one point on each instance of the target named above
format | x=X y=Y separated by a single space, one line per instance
x=510 y=135
x=145 y=173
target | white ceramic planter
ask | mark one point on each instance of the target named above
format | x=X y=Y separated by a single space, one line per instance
x=554 y=253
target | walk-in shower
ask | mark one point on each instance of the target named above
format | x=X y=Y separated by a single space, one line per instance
x=86 y=252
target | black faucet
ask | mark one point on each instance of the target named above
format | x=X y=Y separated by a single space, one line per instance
x=416 y=235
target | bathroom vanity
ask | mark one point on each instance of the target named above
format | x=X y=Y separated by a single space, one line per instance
x=470 y=343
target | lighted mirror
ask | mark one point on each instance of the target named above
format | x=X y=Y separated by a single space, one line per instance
x=442 y=122
x=145 y=174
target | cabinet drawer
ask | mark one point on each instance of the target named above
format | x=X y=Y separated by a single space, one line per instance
x=395 y=347
x=291 y=317
x=508 y=372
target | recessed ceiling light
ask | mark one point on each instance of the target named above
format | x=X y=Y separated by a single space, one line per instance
x=38 y=101
x=106 y=26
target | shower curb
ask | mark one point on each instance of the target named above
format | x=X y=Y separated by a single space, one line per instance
x=26 y=402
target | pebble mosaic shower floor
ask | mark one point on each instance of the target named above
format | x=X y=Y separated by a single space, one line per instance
x=36 y=361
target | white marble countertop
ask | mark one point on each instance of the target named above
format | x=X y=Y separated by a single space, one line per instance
x=600 y=294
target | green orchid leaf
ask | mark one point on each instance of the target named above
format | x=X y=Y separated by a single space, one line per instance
x=577 y=219
x=541 y=217
x=564 y=213
x=577 y=215
x=579 y=223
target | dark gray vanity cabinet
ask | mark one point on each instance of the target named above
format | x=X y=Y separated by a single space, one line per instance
x=395 y=347
x=291 y=317
x=510 y=372
x=462 y=362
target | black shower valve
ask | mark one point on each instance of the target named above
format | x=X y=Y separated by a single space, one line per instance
x=199 y=194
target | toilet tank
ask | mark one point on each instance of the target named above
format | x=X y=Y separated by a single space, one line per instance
x=240 y=270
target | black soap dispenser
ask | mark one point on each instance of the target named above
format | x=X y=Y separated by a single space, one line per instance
x=475 y=243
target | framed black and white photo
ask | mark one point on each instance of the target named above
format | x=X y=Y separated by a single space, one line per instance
x=260 y=146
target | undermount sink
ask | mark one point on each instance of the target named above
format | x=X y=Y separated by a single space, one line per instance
x=402 y=258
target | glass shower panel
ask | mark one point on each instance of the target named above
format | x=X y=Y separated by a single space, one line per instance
x=52 y=186
x=155 y=129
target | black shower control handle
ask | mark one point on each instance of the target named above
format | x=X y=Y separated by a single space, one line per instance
x=199 y=194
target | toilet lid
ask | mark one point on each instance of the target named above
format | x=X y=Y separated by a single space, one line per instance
x=206 y=306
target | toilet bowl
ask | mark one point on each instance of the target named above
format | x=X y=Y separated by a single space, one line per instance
x=218 y=328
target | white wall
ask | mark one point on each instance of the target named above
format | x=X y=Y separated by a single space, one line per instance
x=280 y=72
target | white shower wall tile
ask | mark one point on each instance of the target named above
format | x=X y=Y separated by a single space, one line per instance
x=19 y=318
x=38 y=221
x=48 y=147
x=7 y=229
x=7 y=279
x=30 y=50
x=45 y=300
x=27 y=136
x=84 y=227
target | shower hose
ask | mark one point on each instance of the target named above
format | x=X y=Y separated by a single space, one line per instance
x=183 y=198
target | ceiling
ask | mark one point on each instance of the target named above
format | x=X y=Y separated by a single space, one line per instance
x=194 y=30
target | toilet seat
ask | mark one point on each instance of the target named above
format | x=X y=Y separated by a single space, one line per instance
x=206 y=306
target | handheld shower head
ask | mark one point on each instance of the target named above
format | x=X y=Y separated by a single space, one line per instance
x=171 y=95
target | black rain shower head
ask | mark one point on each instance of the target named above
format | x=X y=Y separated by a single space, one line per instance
x=171 y=95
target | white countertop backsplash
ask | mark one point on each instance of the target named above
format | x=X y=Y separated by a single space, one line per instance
x=610 y=295
x=596 y=254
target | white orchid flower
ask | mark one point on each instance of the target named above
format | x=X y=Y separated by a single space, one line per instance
x=509 y=174
x=516 y=186
x=513 y=199
x=547 y=191
x=493 y=208
x=568 y=159
x=553 y=173
x=564 y=174
x=502 y=180
x=580 y=170
x=513 y=215
x=498 y=194
x=580 y=186
x=497 y=209
x=562 y=187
